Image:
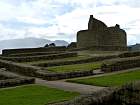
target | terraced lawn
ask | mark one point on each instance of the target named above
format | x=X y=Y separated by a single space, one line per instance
x=75 y=67
x=57 y=60
x=33 y=95
x=110 y=80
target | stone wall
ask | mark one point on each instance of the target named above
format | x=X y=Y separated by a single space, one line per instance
x=16 y=82
x=57 y=76
x=34 y=54
x=40 y=57
x=121 y=64
x=89 y=38
x=34 y=71
x=10 y=79
x=19 y=68
x=117 y=37
x=129 y=54
x=70 y=62
x=28 y=50
x=98 y=34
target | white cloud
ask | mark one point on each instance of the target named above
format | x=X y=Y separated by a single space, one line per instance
x=61 y=19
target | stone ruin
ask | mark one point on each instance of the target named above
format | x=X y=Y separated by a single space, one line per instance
x=99 y=36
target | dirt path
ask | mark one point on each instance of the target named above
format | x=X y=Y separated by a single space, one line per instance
x=81 y=88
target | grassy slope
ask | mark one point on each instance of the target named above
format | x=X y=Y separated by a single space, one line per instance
x=111 y=80
x=33 y=95
x=76 y=67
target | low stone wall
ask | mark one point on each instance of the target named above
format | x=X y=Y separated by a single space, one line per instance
x=41 y=57
x=70 y=62
x=30 y=50
x=2 y=77
x=126 y=95
x=19 y=68
x=39 y=72
x=57 y=76
x=35 y=54
x=129 y=54
x=16 y=82
x=11 y=79
x=121 y=64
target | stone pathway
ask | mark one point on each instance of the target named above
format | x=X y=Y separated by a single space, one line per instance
x=73 y=87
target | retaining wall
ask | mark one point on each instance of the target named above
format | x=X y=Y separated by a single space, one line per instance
x=34 y=54
x=41 y=57
x=16 y=82
x=57 y=76
x=19 y=68
x=39 y=72
x=27 y=50
x=121 y=64
x=70 y=62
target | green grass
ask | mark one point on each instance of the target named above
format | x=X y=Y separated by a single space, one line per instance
x=110 y=80
x=33 y=95
x=57 y=60
x=75 y=67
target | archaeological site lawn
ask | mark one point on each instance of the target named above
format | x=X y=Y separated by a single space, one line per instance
x=110 y=80
x=33 y=95
x=75 y=67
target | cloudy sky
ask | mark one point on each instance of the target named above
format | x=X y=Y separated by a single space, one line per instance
x=61 y=19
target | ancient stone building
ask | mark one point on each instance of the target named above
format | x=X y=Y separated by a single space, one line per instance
x=100 y=37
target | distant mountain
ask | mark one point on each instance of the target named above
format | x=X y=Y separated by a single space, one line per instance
x=135 y=47
x=29 y=43
x=60 y=43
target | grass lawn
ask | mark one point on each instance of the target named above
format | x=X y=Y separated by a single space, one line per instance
x=75 y=67
x=110 y=80
x=57 y=60
x=33 y=95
